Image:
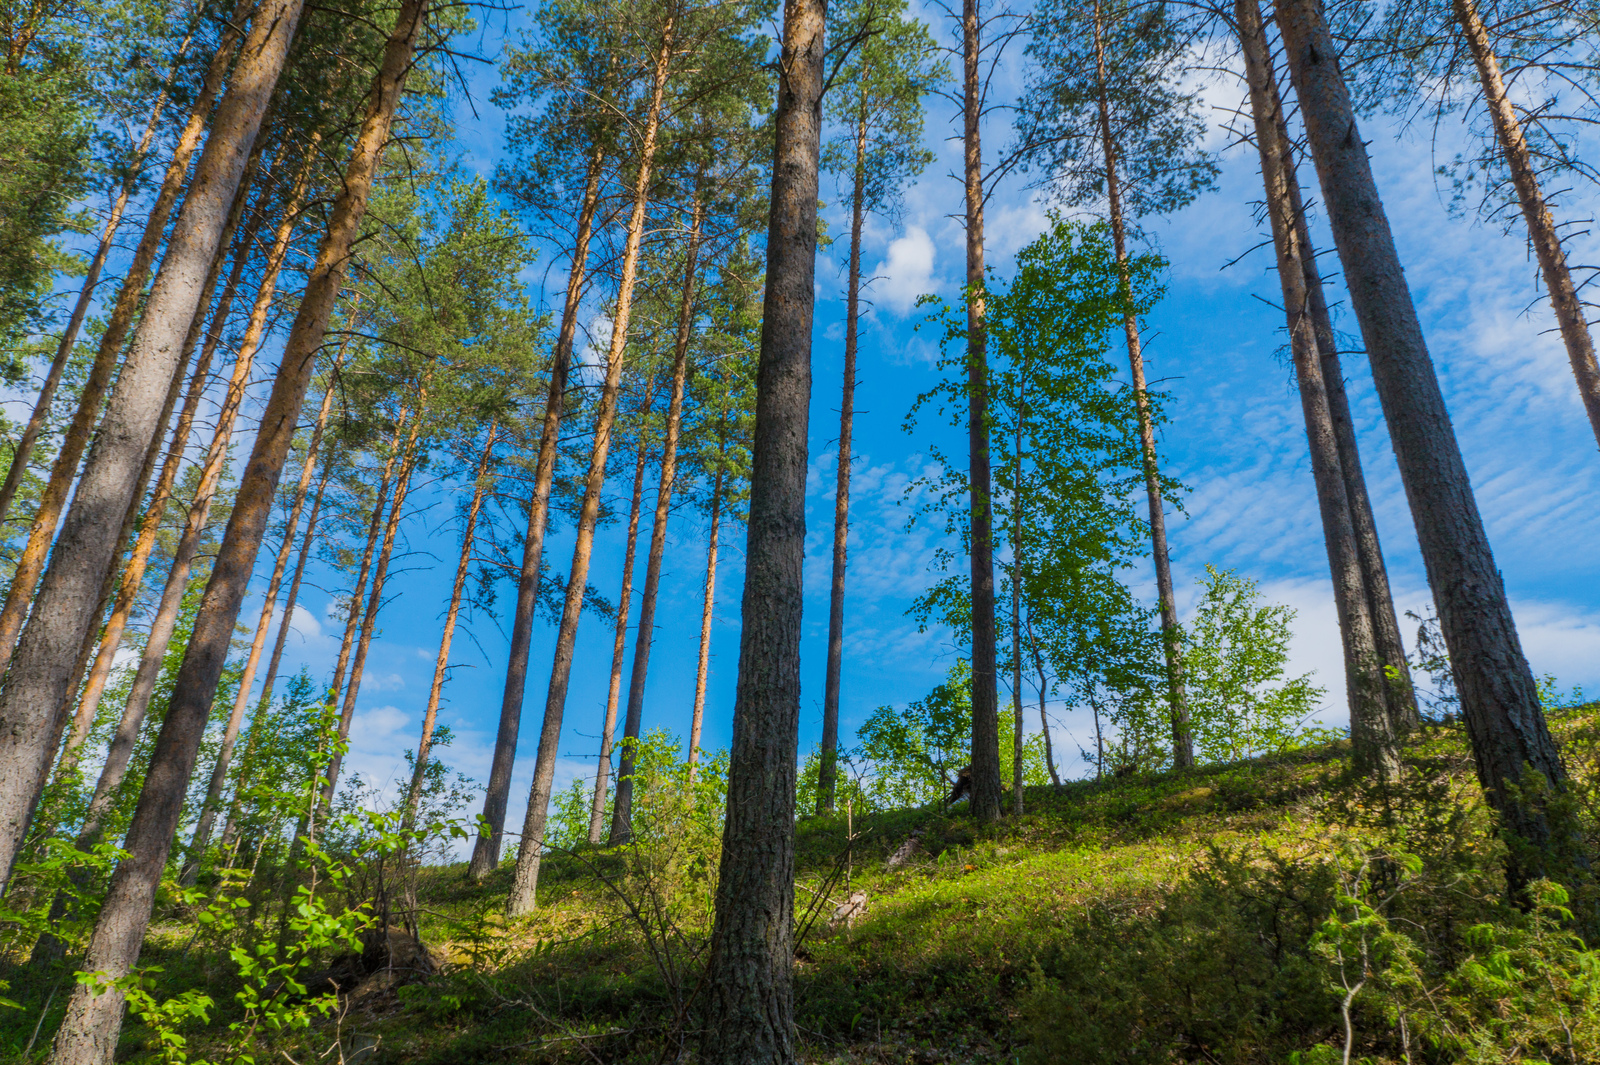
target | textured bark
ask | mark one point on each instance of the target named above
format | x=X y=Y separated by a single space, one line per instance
x=619 y=641
x=167 y=312
x=486 y=851
x=369 y=619
x=828 y=769
x=1498 y=698
x=441 y=665
x=64 y=607
x=132 y=577
x=89 y=1030
x=707 y=611
x=622 y=816
x=525 y=883
x=1542 y=231
x=749 y=1000
x=1182 y=740
x=23 y=452
x=985 y=801
x=1372 y=733
x=269 y=603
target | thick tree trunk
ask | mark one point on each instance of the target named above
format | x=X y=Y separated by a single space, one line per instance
x=622 y=815
x=525 y=883
x=1373 y=739
x=1498 y=696
x=264 y=704
x=69 y=595
x=707 y=610
x=369 y=620
x=619 y=638
x=23 y=452
x=486 y=851
x=985 y=802
x=132 y=578
x=89 y=1030
x=1178 y=709
x=269 y=603
x=441 y=665
x=1542 y=231
x=1044 y=716
x=828 y=769
x=169 y=309
x=749 y=983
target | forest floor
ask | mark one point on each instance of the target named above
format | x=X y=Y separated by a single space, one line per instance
x=1157 y=918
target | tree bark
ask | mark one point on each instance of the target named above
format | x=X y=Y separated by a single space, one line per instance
x=89 y=1030
x=828 y=769
x=619 y=639
x=194 y=241
x=69 y=595
x=1542 y=232
x=707 y=610
x=486 y=851
x=622 y=815
x=985 y=802
x=1498 y=696
x=23 y=452
x=1182 y=740
x=1373 y=739
x=749 y=982
x=441 y=666
x=525 y=883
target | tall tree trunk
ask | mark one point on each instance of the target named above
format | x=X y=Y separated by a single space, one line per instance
x=1373 y=739
x=749 y=982
x=269 y=603
x=264 y=704
x=985 y=802
x=486 y=851
x=828 y=769
x=132 y=578
x=1182 y=740
x=619 y=639
x=89 y=1030
x=168 y=311
x=622 y=816
x=1498 y=696
x=1044 y=716
x=369 y=620
x=525 y=883
x=69 y=595
x=23 y=452
x=1398 y=689
x=1542 y=232
x=441 y=665
x=707 y=610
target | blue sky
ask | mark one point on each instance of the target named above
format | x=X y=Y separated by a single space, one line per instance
x=1235 y=437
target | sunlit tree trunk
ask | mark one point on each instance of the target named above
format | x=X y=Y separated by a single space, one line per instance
x=88 y=1033
x=441 y=665
x=622 y=815
x=707 y=610
x=486 y=851
x=1372 y=733
x=1498 y=697
x=525 y=883
x=828 y=768
x=1178 y=710
x=749 y=997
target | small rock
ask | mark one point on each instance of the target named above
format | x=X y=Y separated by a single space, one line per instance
x=904 y=854
x=845 y=914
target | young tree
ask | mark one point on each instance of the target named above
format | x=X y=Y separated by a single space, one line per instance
x=1111 y=123
x=878 y=103
x=1498 y=696
x=750 y=1004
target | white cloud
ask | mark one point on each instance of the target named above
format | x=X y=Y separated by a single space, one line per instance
x=907 y=271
